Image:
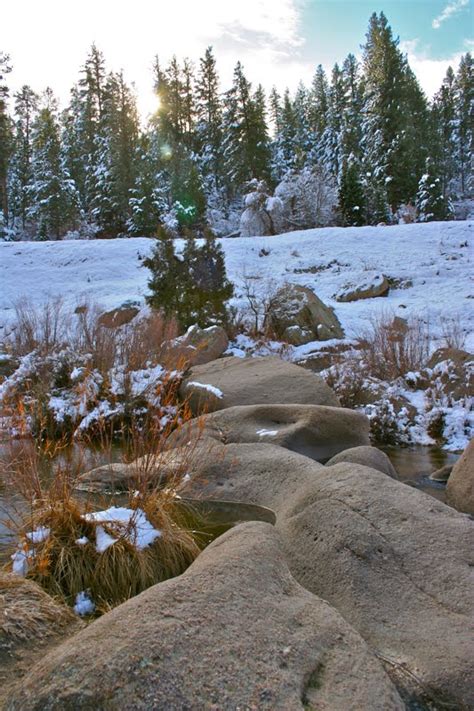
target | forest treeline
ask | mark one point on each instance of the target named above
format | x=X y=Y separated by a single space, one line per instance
x=361 y=146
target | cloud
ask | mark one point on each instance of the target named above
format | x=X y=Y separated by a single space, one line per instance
x=266 y=35
x=452 y=8
x=431 y=72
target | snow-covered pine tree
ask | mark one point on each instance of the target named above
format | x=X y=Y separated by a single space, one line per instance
x=5 y=141
x=115 y=170
x=394 y=131
x=54 y=198
x=246 y=141
x=20 y=173
x=443 y=124
x=331 y=150
x=284 y=148
x=209 y=120
x=431 y=203
x=465 y=124
x=148 y=200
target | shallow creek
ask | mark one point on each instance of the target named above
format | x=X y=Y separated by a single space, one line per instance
x=413 y=464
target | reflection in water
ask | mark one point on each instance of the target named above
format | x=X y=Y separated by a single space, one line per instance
x=415 y=464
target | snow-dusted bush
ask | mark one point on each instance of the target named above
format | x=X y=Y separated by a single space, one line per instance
x=306 y=199
x=256 y=220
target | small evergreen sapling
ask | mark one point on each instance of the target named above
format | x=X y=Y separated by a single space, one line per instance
x=192 y=287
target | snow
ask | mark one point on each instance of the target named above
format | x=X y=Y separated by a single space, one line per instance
x=20 y=562
x=84 y=605
x=83 y=541
x=267 y=433
x=111 y=272
x=130 y=524
x=39 y=535
x=207 y=386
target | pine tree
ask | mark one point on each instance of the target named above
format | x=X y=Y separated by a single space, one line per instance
x=148 y=200
x=201 y=276
x=443 y=121
x=246 y=141
x=319 y=102
x=5 y=140
x=395 y=116
x=54 y=199
x=20 y=174
x=431 y=203
x=351 y=194
x=209 y=119
x=465 y=123
x=115 y=171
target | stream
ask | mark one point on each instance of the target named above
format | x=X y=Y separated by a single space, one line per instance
x=413 y=464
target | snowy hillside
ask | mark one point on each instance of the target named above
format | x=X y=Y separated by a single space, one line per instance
x=430 y=266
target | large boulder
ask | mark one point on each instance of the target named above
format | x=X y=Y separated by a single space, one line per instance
x=252 y=381
x=397 y=565
x=460 y=487
x=374 y=285
x=263 y=474
x=29 y=620
x=368 y=457
x=196 y=346
x=297 y=306
x=235 y=631
x=316 y=431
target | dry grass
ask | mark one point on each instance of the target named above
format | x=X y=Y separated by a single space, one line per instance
x=50 y=500
x=393 y=347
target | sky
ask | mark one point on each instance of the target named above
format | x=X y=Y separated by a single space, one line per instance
x=279 y=42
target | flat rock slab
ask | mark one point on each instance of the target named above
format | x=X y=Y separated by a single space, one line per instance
x=253 y=381
x=316 y=431
x=235 y=631
x=397 y=564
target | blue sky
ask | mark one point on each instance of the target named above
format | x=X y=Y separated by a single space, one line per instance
x=412 y=20
x=279 y=41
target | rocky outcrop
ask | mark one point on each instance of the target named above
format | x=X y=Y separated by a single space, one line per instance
x=452 y=371
x=460 y=487
x=118 y=317
x=196 y=346
x=316 y=431
x=368 y=457
x=251 y=381
x=235 y=631
x=299 y=316
x=374 y=285
x=397 y=565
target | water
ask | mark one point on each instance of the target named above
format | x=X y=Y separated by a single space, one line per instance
x=415 y=464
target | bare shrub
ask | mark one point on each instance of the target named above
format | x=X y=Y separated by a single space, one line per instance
x=393 y=347
x=348 y=378
x=260 y=297
x=91 y=337
x=44 y=328
x=454 y=335
x=141 y=343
